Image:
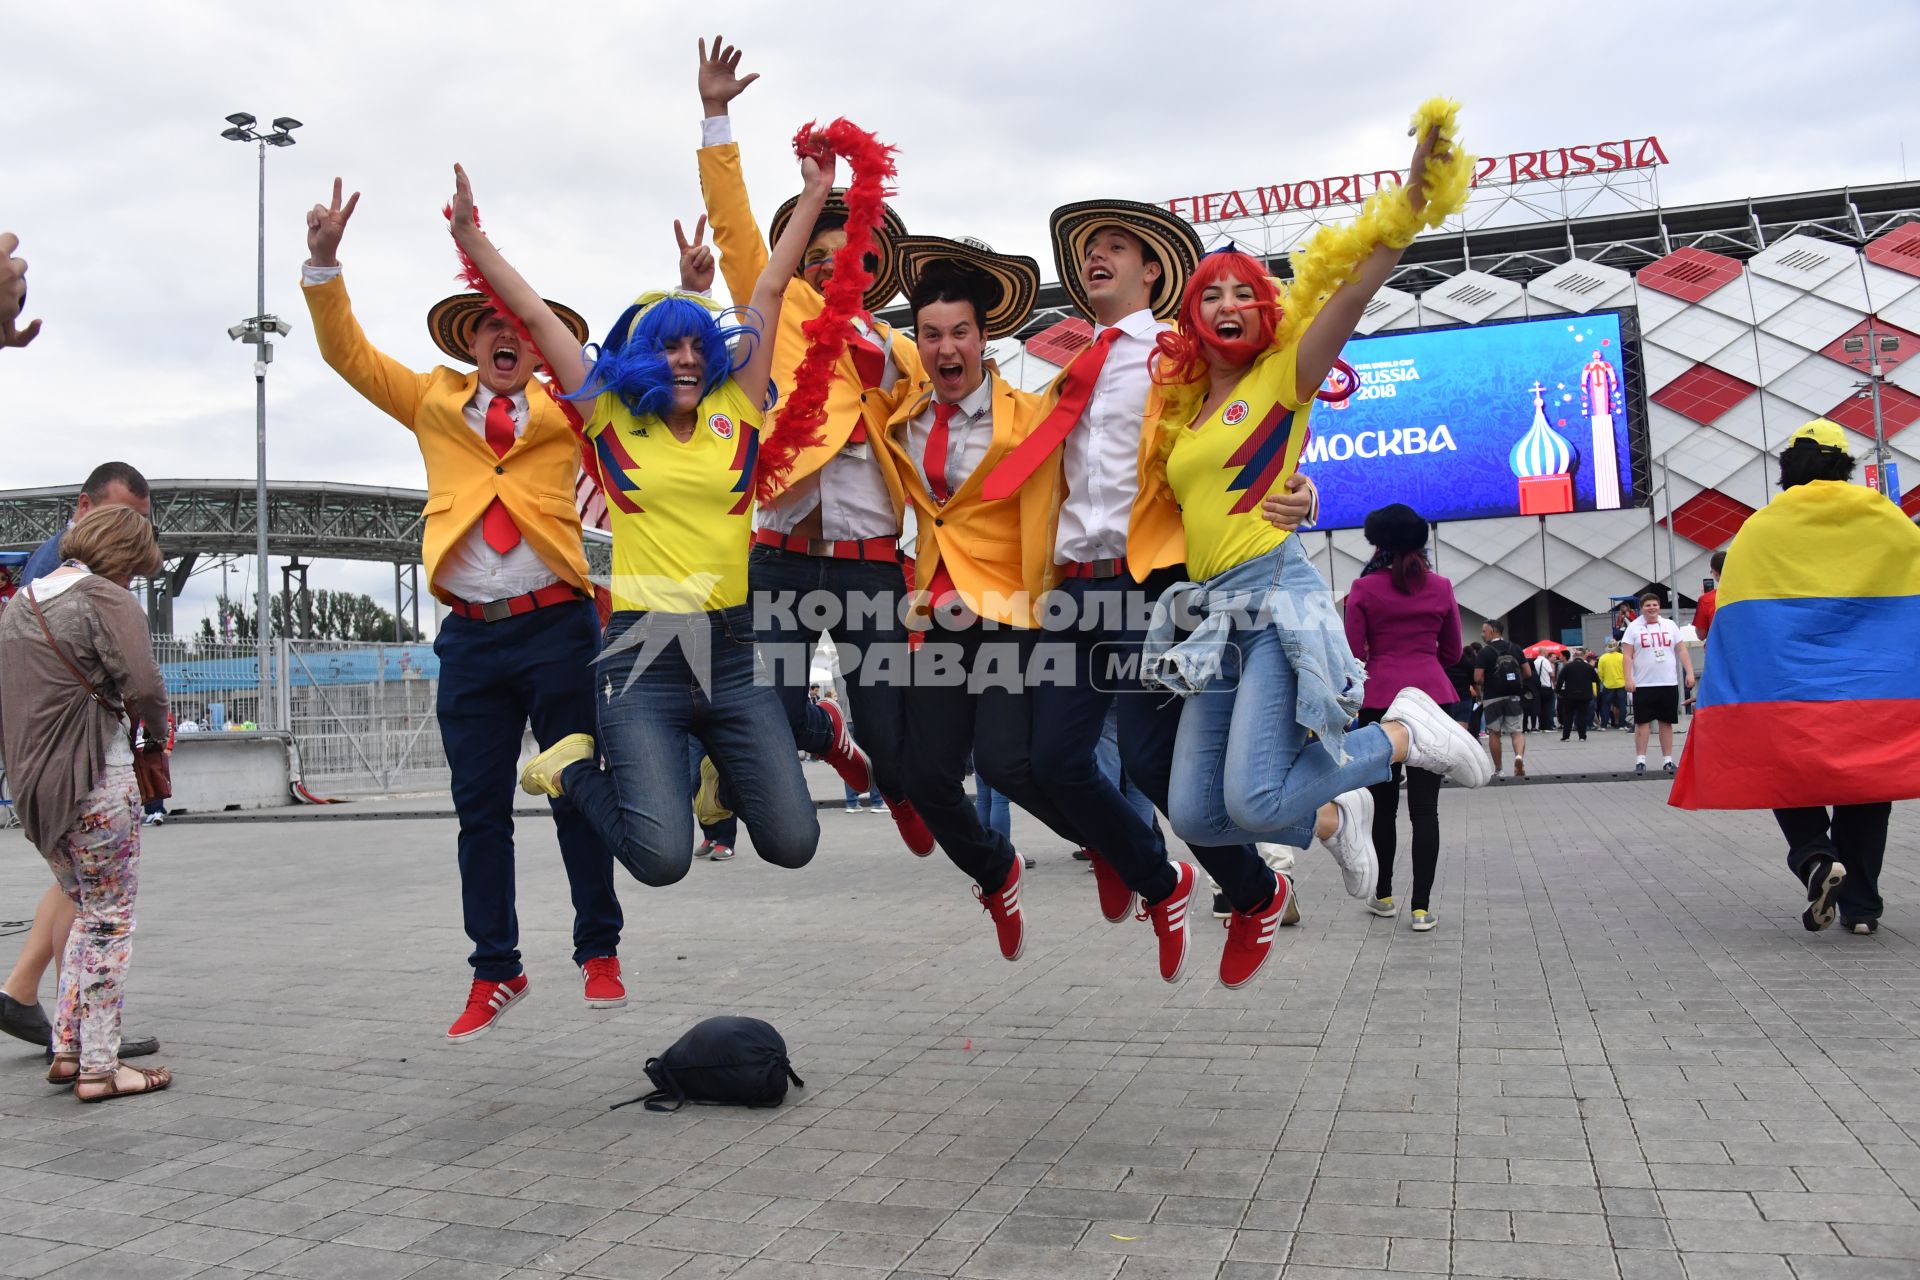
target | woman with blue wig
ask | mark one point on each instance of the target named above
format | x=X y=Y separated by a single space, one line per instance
x=673 y=402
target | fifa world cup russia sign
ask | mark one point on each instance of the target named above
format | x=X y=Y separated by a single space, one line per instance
x=1549 y=165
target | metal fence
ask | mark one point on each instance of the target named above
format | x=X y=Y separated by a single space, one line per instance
x=361 y=714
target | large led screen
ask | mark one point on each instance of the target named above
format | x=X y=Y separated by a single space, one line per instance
x=1516 y=417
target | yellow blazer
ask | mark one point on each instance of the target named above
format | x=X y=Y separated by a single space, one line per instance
x=743 y=255
x=997 y=553
x=535 y=478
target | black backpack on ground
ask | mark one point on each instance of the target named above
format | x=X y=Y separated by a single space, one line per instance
x=726 y=1061
x=1506 y=679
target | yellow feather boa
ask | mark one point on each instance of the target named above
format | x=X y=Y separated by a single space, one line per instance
x=1330 y=258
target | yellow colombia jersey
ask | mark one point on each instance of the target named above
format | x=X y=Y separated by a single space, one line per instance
x=682 y=514
x=1613 y=671
x=1221 y=469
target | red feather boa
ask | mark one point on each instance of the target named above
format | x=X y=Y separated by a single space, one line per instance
x=797 y=425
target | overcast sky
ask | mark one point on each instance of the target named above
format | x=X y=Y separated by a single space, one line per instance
x=579 y=130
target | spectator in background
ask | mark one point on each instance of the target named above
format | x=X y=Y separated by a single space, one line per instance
x=1703 y=611
x=76 y=677
x=1466 y=707
x=719 y=829
x=1656 y=662
x=1402 y=622
x=1500 y=677
x=111 y=484
x=1611 y=667
x=1578 y=685
x=1543 y=689
x=13 y=295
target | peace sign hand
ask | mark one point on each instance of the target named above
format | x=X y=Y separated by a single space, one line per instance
x=696 y=259
x=326 y=223
x=13 y=295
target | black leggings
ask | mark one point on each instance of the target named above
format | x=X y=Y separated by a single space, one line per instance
x=1423 y=807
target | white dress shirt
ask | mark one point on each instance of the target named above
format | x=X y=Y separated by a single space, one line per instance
x=471 y=569
x=1102 y=452
x=969 y=434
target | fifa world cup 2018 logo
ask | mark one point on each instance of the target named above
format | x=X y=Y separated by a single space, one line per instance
x=1543 y=462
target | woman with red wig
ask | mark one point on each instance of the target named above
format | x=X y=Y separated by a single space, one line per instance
x=1263 y=751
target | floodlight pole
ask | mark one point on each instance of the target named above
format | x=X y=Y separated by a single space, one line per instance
x=257 y=330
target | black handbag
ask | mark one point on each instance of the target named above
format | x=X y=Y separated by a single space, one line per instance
x=721 y=1061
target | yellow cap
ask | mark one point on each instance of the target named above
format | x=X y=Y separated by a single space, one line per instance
x=1822 y=432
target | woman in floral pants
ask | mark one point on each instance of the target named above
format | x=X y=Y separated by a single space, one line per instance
x=76 y=672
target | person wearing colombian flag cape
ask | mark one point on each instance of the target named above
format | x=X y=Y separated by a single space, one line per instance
x=1810 y=705
x=1237 y=378
x=674 y=413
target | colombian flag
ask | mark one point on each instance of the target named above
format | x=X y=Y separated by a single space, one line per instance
x=1812 y=689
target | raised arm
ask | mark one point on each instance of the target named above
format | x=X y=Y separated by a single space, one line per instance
x=771 y=289
x=13 y=295
x=743 y=250
x=389 y=385
x=1334 y=325
x=565 y=361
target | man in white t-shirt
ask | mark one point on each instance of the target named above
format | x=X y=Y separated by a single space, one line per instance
x=1656 y=660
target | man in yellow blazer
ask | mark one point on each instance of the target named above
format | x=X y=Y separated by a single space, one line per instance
x=828 y=540
x=1113 y=543
x=503 y=550
x=974 y=562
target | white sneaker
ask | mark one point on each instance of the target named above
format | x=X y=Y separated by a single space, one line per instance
x=1437 y=743
x=1277 y=856
x=1352 y=845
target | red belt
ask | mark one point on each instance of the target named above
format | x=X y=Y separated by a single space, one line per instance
x=1094 y=568
x=850 y=549
x=514 y=606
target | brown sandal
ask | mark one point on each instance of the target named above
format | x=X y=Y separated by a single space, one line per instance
x=63 y=1080
x=153 y=1080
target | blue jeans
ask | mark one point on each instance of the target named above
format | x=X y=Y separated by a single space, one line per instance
x=1613 y=703
x=1270 y=662
x=666 y=680
x=494 y=678
x=996 y=813
x=876 y=707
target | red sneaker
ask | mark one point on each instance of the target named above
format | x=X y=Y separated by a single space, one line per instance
x=1250 y=938
x=1004 y=907
x=912 y=827
x=1117 y=901
x=1169 y=916
x=601 y=978
x=486 y=1001
x=845 y=755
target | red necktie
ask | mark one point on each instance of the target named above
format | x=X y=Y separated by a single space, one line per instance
x=870 y=362
x=935 y=461
x=1077 y=388
x=497 y=526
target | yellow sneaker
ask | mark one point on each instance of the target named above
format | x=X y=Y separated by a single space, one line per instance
x=541 y=777
x=1383 y=907
x=1423 y=921
x=706 y=801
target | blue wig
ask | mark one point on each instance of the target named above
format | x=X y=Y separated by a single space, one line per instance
x=632 y=362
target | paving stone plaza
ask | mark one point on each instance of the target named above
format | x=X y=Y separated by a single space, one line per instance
x=1619 y=1056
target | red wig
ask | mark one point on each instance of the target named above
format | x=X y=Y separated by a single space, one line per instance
x=1183 y=351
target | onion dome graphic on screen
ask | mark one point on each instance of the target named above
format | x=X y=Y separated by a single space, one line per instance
x=1543 y=461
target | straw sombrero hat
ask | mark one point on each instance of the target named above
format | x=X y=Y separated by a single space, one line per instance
x=1171 y=237
x=452 y=322
x=886 y=280
x=1012 y=282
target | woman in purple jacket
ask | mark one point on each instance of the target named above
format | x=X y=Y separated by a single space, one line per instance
x=1403 y=623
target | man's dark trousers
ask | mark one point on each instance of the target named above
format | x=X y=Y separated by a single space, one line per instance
x=494 y=678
